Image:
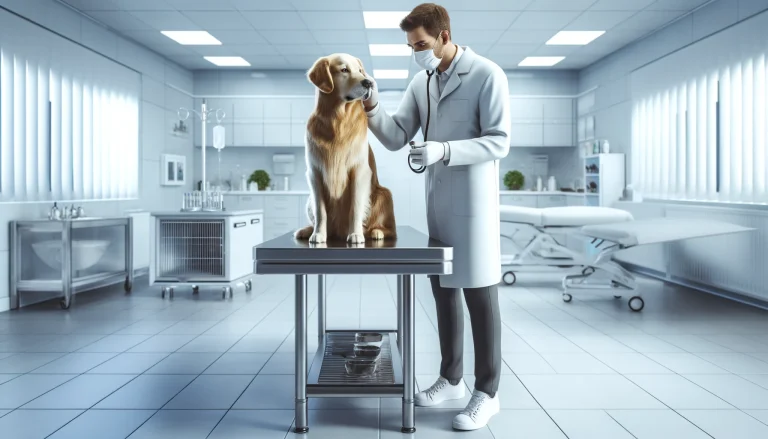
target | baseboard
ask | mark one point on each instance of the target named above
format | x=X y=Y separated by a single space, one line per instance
x=737 y=297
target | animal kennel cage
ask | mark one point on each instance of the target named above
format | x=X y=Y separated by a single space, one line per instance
x=204 y=248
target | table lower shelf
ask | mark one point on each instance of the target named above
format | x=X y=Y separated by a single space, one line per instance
x=328 y=377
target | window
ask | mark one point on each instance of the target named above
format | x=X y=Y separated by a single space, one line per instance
x=69 y=120
x=699 y=120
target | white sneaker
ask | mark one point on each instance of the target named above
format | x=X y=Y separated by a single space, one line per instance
x=478 y=412
x=441 y=391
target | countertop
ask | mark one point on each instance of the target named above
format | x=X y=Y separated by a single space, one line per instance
x=209 y=214
x=524 y=192
x=266 y=193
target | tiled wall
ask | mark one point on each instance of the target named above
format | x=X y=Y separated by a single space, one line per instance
x=160 y=100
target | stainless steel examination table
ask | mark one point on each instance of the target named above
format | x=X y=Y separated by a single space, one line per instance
x=412 y=253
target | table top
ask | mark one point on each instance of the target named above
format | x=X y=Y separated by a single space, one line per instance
x=411 y=249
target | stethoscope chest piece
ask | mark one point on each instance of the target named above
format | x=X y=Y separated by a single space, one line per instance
x=419 y=169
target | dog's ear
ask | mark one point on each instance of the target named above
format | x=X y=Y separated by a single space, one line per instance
x=361 y=66
x=320 y=75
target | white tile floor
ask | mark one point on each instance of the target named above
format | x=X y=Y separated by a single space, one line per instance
x=114 y=366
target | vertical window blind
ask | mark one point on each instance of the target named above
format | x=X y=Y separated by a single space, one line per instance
x=705 y=138
x=699 y=120
x=69 y=123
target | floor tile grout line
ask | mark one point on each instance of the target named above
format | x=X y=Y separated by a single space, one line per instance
x=619 y=424
x=143 y=373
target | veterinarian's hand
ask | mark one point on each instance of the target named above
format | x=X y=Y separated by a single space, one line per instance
x=427 y=153
x=370 y=103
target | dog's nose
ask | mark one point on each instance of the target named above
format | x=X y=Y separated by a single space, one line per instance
x=367 y=83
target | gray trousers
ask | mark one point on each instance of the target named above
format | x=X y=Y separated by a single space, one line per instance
x=483 y=306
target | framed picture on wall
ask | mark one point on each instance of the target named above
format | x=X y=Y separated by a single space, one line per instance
x=174 y=170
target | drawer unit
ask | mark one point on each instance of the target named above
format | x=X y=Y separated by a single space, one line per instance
x=574 y=200
x=274 y=227
x=550 y=200
x=281 y=206
x=519 y=200
x=249 y=202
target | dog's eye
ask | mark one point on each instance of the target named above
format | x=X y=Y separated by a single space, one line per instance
x=344 y=70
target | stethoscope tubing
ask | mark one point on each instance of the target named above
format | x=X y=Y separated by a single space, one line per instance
x=421 y=169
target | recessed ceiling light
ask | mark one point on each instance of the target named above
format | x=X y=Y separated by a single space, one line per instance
x=574 y=37
x=390 y=50
x=228 y=61
x=540 y=61
x=192 y=38
x=390 y=74
x=383 y=19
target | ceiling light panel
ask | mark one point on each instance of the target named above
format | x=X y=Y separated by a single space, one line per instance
x=383 y=19
x=540 y=61
x=192 y=38
x=228 y=61
x=574 y=38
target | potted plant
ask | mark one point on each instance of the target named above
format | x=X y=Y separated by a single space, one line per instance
x=514 y=180
x=261 y=178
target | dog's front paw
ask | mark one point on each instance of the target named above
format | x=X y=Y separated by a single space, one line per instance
x=377 y=234
x=317 y=238
x=356 y=238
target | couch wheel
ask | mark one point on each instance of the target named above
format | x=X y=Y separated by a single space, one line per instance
x=636 y=303
x=509 y=278
x=567 y=297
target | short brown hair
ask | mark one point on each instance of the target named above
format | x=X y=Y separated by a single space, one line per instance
x=434 y=18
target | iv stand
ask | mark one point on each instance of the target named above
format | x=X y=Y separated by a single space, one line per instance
x=204 y=115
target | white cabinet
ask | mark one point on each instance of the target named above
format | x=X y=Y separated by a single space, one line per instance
x=519 y=200
x=575 y=200
x=542 y=121
x=550 y=201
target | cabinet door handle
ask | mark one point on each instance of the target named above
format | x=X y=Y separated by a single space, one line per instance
x=238 y=225
x=255 y=221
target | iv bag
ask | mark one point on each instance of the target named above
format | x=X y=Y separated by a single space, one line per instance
x=218 y=137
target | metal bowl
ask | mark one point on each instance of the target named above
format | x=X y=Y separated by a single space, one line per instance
x=360 y=366
x=366 y=350
x=372 y=338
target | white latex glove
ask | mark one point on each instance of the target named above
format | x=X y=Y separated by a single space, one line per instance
x=373 y=100
x=427 y=153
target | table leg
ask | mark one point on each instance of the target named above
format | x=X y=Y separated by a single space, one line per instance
x=321 y=308
x=409 y=381
x=400 y=313
x=301 y=355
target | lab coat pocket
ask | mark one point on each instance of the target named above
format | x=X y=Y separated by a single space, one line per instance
x=459 y=110
x=460 y=199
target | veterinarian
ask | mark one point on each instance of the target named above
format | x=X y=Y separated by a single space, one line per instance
x=466 y=133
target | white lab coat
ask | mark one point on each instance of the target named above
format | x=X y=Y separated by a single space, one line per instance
x=462 y=196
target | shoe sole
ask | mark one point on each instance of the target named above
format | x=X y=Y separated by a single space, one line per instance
x=432 y=404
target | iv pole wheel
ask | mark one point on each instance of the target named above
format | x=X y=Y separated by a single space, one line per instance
x=636 y=304
x=509 y=278
x=567 y=297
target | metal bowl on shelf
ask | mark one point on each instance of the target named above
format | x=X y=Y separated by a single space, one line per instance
x=361 y=366
x=365 y=350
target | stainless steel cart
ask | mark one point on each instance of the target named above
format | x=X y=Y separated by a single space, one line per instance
x=412 y=253
x=77 y=255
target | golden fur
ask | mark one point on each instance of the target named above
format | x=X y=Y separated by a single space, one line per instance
x=346 y=199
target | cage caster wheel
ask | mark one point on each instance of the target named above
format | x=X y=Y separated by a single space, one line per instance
x=127 y=286
x=636 y=303
x=195 y=289
x=226 y=290
x=64 y=304
x=248 y=285
x=588 y=271
x=163 y=292
x=509 y=278
x=567 y=297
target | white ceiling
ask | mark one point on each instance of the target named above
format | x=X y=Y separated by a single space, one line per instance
x=292 y=34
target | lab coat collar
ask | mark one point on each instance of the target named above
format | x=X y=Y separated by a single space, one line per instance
x=462 y=67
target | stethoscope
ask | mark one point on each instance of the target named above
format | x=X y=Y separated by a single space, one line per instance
x=422 y=168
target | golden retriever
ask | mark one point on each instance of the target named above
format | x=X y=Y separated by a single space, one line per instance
x=346 y=199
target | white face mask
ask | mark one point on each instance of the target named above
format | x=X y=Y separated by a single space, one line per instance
x=426 y=59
